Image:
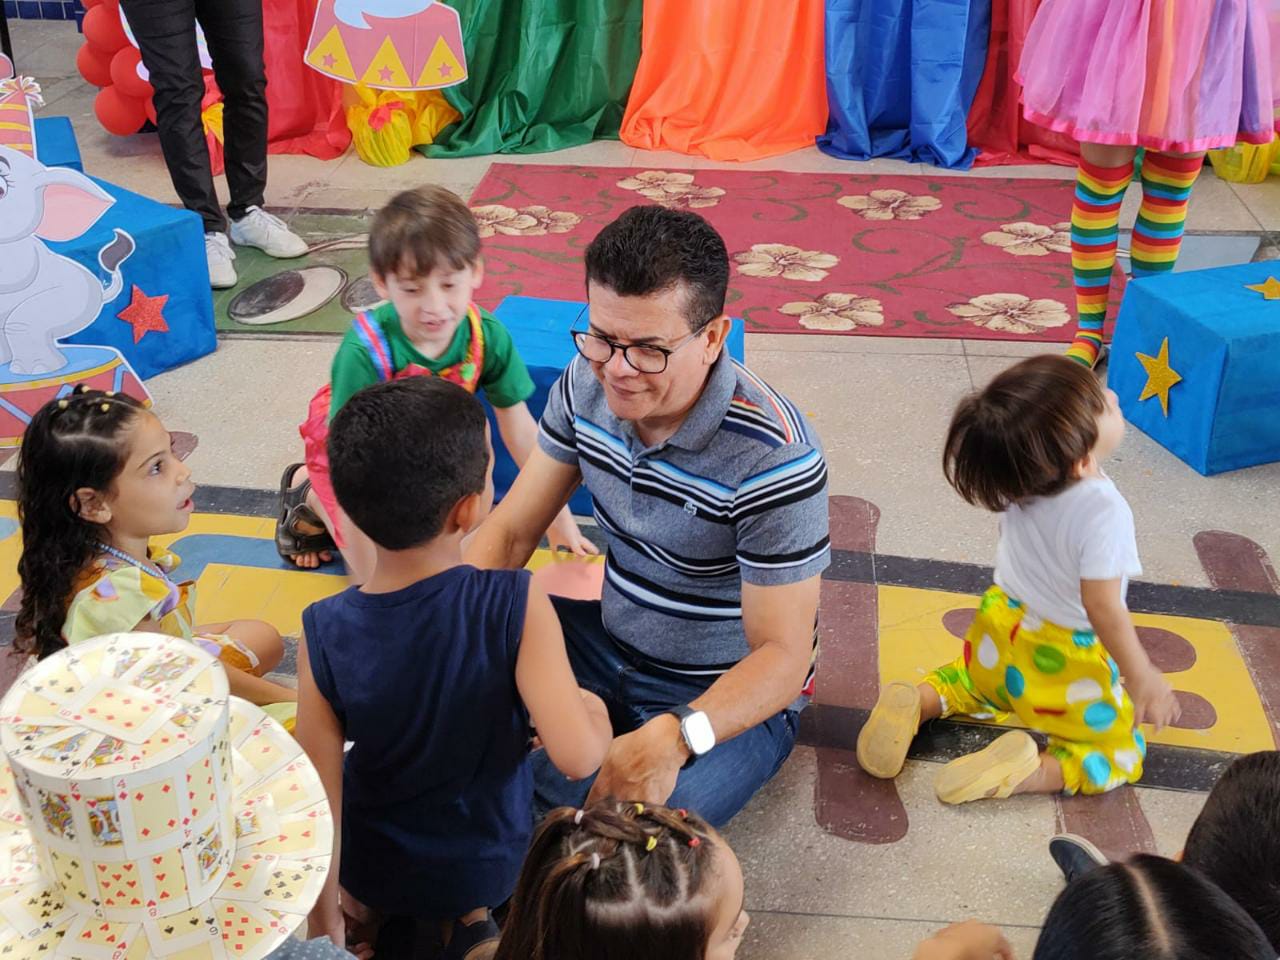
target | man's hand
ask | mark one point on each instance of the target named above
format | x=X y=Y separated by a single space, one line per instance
x=643 y=765
x=1154 y=701
x=970 y=940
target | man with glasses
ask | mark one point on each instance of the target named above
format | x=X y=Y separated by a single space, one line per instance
x=712 y=493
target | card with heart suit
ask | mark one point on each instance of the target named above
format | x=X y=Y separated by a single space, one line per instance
x=155 y=800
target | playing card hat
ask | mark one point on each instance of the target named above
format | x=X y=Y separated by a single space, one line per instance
x=145 y=813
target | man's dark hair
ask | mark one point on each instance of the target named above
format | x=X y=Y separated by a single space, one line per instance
x=1235 y=841
x=402 y=454
x=650 y=250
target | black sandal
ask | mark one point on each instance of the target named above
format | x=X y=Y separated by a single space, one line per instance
x=472 y=941
x=293 y=511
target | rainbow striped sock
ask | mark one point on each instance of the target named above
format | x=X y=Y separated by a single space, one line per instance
x=1095 y=220
x=1166 y=190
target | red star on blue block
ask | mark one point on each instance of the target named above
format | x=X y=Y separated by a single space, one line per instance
x=145 y=314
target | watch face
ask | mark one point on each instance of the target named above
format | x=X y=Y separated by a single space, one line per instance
x=698 y=733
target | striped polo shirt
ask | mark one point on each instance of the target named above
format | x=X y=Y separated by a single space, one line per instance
x=738 y=494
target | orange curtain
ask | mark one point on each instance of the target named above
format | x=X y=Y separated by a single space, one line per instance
x=729 y=81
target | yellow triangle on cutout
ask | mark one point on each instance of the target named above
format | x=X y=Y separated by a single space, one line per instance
x=386 y=69
x=443 y=68
x=330 y=56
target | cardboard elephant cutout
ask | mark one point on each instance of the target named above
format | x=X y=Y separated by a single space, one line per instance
x=44 y=295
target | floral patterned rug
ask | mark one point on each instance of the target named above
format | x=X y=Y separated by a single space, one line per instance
x=811 y=253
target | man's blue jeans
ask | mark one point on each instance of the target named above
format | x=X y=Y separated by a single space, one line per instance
x=719 y=784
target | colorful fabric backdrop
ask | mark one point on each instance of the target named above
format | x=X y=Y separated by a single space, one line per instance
x=734 y=87
x=901 y=75
x=542 y=75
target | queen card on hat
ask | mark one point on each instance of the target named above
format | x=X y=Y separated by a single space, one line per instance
x=145 y=813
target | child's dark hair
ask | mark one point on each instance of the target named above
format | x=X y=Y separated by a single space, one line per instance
x=1235 y=841
x=1148 y=908
x=420 y=230
x=1024 y=434
x=402 y=454
x=623 y=881
x=650 y=250
x=70 y=444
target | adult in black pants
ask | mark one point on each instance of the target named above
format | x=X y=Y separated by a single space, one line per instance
x=166 y=35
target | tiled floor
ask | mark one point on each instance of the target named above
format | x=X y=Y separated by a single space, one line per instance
x=881 y=406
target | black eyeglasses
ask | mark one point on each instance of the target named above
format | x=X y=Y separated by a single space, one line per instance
x=641 y=357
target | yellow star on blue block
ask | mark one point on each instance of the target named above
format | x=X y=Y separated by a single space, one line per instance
x=1161 y=377
x=1270 y=289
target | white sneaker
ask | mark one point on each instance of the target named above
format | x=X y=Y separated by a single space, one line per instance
x=257 y=228
x=217 y=250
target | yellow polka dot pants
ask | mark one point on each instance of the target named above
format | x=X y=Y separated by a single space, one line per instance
x=1058 y=681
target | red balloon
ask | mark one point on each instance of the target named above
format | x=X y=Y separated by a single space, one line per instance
x=124 y=74
x=119 y=114
x=94 y=66
x=103 y=29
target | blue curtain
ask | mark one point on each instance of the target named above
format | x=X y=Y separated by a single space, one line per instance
x=901 y=77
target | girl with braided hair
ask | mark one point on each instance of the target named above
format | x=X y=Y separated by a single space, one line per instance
x=97 y=479
x=627 y=881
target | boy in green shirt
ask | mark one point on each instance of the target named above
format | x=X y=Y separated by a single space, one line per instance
x=424 y=258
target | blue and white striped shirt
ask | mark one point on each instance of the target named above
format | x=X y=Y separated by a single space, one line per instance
x=738 y=494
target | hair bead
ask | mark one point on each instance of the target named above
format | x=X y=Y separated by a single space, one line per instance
x=651 y=844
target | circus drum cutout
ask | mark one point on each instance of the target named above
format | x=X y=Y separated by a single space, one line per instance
x=45 y=296
x=388 y=44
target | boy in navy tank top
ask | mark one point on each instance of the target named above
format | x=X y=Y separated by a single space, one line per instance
x=434 y=671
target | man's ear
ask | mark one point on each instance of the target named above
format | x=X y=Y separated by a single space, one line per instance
x=717 y=332
x=89 y=504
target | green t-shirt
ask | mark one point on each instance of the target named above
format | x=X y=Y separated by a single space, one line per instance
x=504 y=378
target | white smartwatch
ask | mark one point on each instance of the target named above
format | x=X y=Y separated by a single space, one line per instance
x=696 y=730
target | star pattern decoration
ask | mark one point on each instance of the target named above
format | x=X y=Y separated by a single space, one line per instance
x=386 y=73
x=1161 y=377
x=329 y=60
x=1270 y=288
x=145 y=314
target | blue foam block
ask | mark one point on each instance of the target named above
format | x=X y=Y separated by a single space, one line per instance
x=169 y=260
x=56 y=143
x=1224 y=341
x=540 y=329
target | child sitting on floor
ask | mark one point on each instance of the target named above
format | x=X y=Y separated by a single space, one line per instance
x=626 y=881
x=1053 y=637
x=424 y=257
x=97 y=479
x=433 y=669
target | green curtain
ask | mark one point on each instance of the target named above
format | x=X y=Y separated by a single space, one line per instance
x=541 y=74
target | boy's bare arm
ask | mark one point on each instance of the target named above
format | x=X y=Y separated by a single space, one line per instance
x=573 y=727
x=509 y=535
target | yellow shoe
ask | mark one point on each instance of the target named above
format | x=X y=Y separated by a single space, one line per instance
x=886 y=737
x=993 y=772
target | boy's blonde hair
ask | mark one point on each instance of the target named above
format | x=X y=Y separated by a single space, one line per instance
x=420 y=230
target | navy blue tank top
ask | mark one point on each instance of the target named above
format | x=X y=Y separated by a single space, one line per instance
x=437 y=789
